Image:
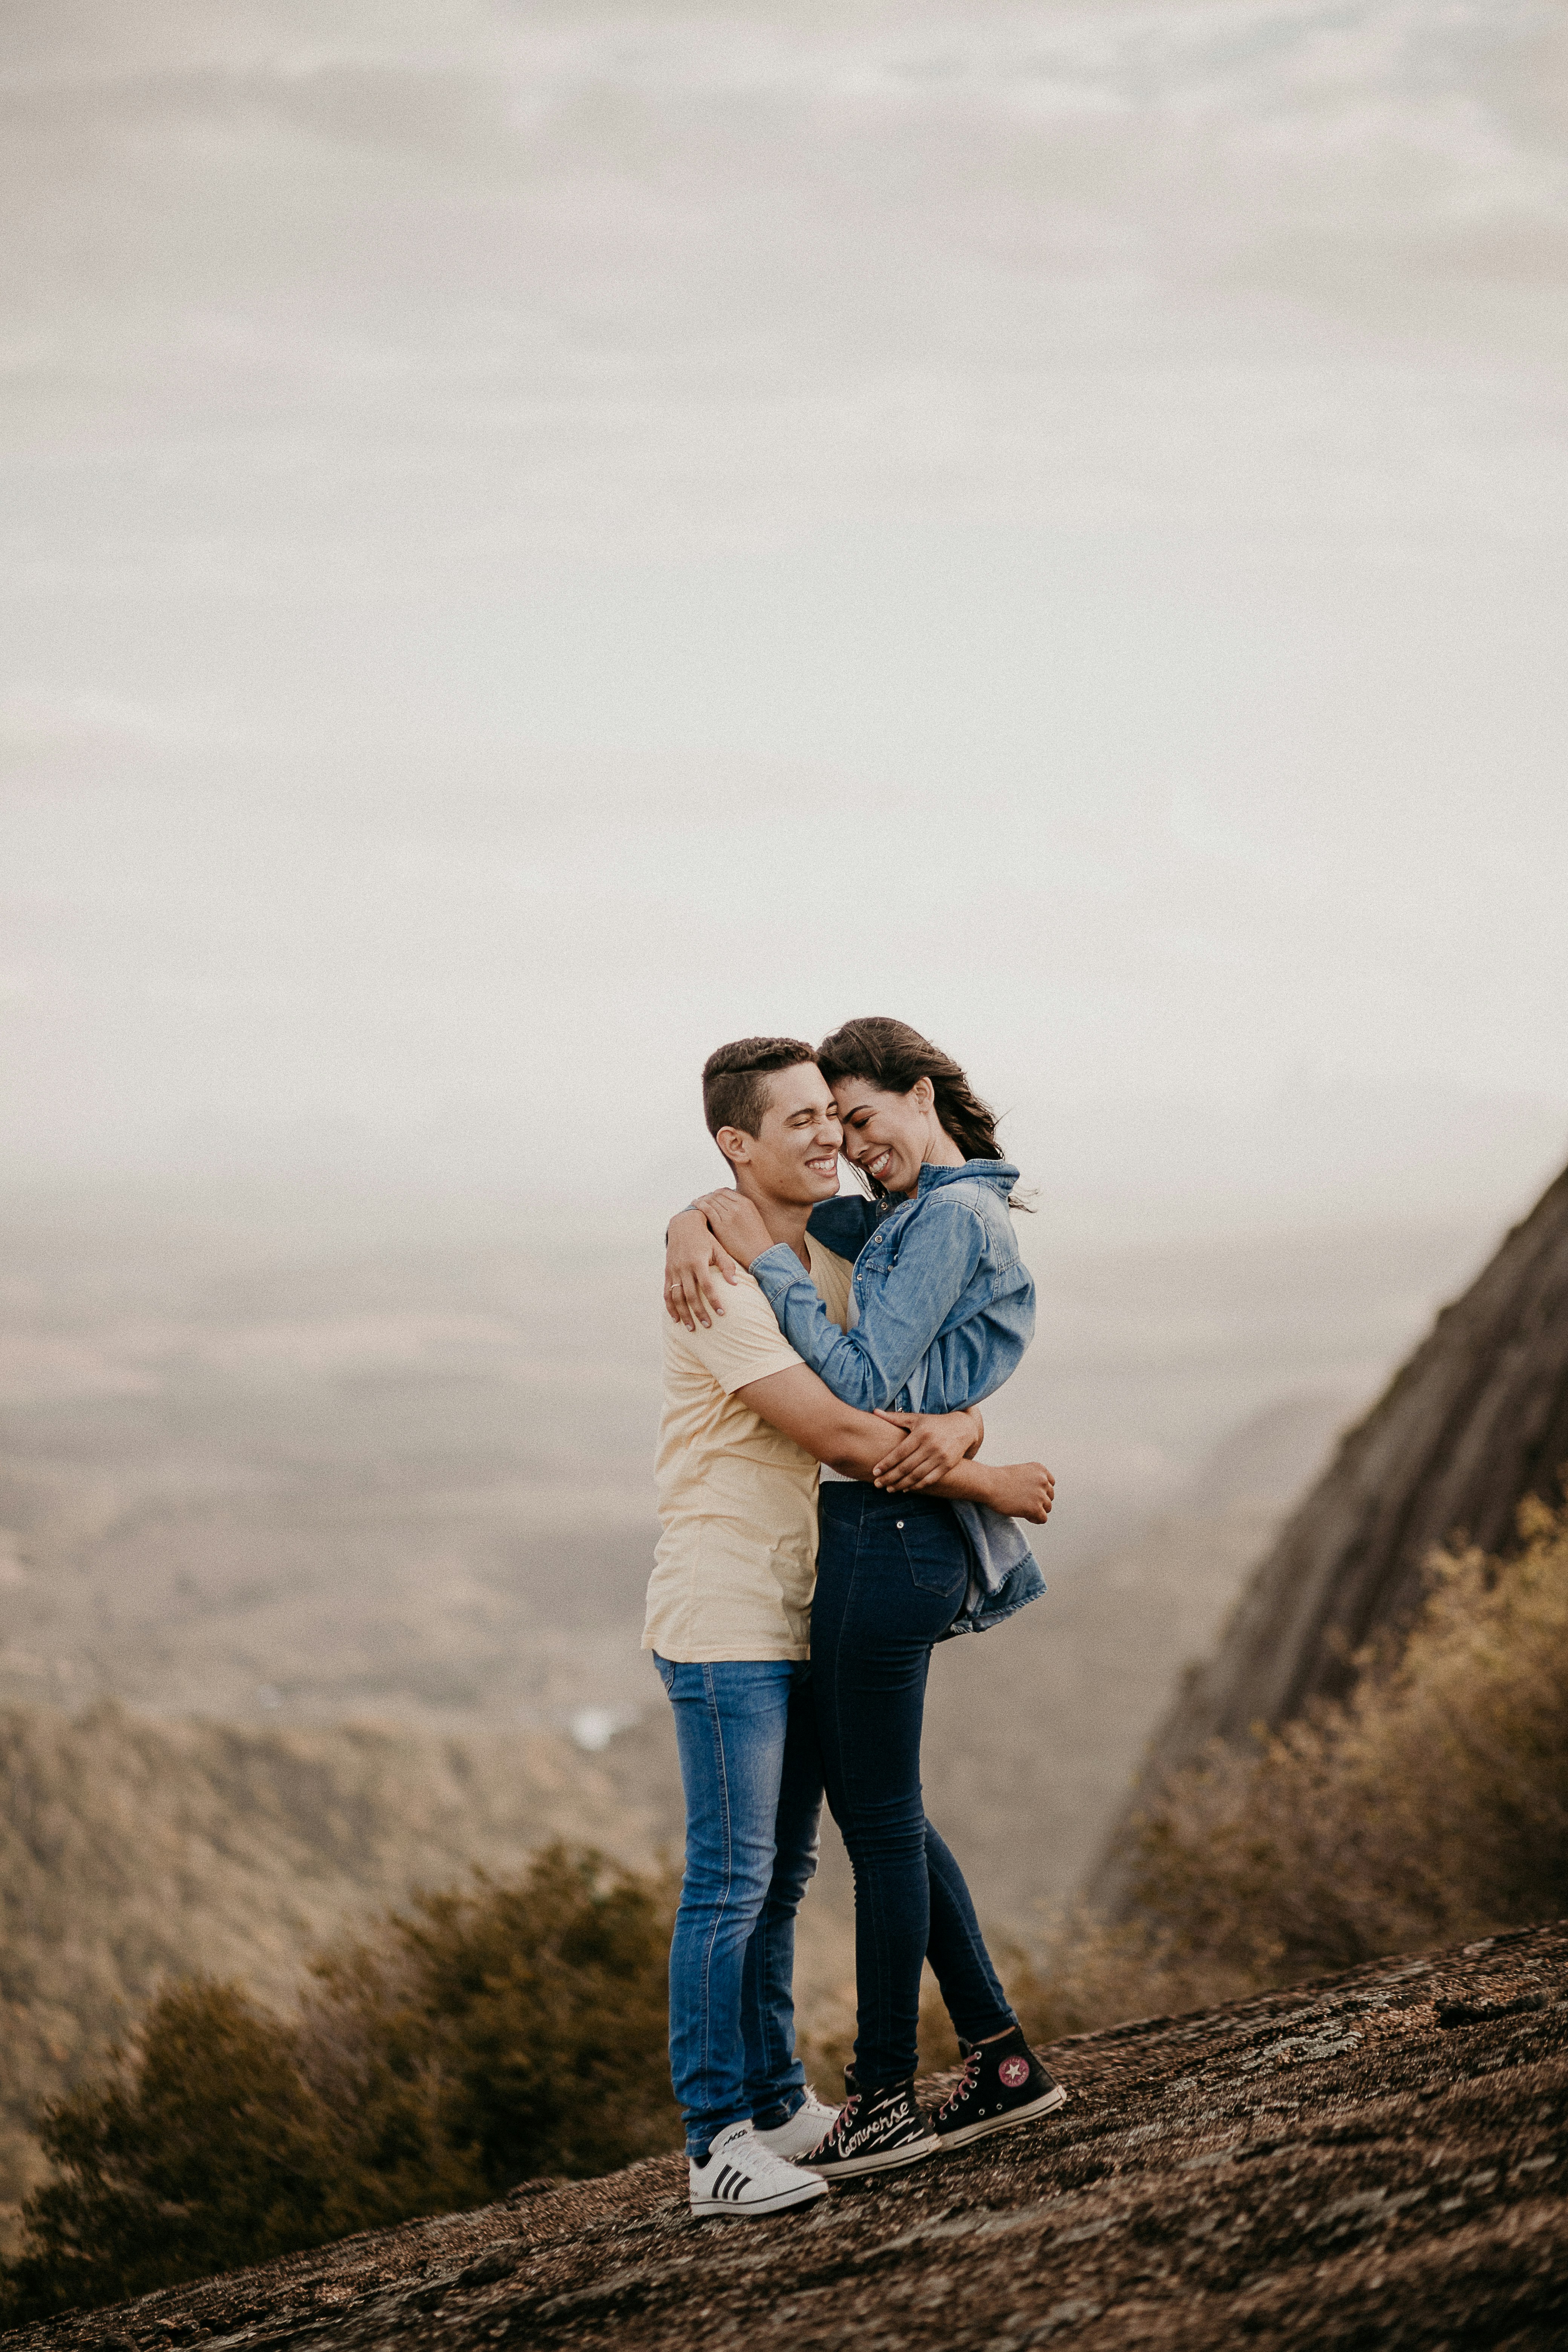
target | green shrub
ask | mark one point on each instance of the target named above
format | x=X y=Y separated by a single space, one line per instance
x=205 y=2151
x=485 y=2037
x=526 y=2025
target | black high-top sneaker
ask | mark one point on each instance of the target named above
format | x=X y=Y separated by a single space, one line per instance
x=1003 y=2085
x=875 y=2130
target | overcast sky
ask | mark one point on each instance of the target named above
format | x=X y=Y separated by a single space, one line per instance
x=537 y=537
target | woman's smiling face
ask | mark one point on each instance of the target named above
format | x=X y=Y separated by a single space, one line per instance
x=887 y=1136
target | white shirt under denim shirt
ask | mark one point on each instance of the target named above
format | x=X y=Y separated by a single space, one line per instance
x=944 y=1307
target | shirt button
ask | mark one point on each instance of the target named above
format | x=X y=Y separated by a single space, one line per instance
x=897 y=1523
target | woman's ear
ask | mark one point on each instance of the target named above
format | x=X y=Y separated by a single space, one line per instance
x=924 y=1093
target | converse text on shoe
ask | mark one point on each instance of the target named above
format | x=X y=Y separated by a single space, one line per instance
x=876 y=2131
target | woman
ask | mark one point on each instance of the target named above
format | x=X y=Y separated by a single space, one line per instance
x=941 y=1308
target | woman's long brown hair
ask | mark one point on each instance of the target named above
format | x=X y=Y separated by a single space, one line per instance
x=891 y=1054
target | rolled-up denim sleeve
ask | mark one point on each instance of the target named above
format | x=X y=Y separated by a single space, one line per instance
x=870 y=1366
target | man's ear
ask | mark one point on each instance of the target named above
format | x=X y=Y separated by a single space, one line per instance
x=734 y=1143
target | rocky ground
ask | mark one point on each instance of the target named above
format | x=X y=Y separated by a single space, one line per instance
x=1375 y=2159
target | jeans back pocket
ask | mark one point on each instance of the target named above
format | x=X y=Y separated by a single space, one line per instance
x=935 y=1550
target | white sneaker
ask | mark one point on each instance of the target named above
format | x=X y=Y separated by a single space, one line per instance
x=741 y=2179
x=806 y=2128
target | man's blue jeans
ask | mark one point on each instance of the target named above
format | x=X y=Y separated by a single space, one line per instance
x=753 y=1780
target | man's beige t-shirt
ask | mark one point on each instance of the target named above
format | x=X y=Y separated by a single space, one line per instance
x=736 y=1565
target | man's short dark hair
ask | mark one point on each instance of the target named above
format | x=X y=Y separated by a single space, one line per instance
x=735 y=1079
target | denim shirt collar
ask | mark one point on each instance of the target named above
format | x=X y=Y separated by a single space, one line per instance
x=999 y=1173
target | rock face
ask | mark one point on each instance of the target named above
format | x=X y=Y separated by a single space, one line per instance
x=1375 y=2161
x=1475 y=1421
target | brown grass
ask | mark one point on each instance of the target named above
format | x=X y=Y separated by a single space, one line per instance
x=1431 y=1808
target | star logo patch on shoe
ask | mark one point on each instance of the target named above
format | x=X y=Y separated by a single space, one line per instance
x=1013 y=2073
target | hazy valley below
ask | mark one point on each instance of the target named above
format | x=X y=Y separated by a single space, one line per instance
x=323 y=1550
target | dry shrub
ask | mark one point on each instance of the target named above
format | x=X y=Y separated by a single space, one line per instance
x=1091 y=1975
x=1431 y=1807
x=486 y=2036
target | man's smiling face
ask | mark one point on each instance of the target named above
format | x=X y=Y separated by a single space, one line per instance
x=793 y=1158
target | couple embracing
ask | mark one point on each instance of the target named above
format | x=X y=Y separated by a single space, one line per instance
x=827 y=1520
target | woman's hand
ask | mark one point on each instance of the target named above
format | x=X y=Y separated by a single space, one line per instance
x=1023 y=1490
x=737 y=1224
x=931 y=1444
x=693 y=1262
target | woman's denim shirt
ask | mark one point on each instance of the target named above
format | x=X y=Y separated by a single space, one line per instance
x=945 y=1309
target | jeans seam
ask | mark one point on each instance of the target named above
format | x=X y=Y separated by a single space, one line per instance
x=716 y=1725
x=764 y=2019
x=876 y=1912
x=974 y=1942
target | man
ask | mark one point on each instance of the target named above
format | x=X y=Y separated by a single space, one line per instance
x=746 y=1426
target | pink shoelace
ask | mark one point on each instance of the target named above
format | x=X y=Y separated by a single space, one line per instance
x=842 y=2119
x=971 y=2070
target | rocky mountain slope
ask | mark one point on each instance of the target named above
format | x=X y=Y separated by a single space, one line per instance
x=1477 y=1420
x=1377 y=2160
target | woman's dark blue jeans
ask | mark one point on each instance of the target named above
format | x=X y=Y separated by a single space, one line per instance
x=891 y=1574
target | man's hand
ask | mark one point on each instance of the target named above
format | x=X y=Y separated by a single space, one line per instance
x=1022 y=1490
x=737 y=1222
x=931 y=1444
x=693 y=1262
x=801 y=1405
